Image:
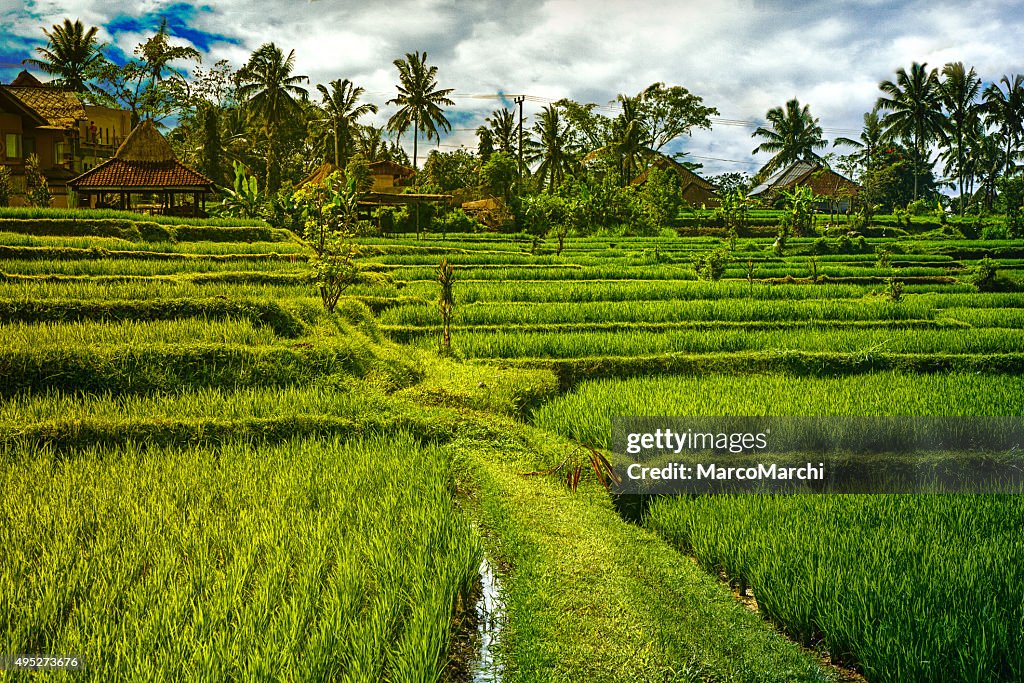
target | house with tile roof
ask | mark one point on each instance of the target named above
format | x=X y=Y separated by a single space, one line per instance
x=67 y=135
x=144 y=175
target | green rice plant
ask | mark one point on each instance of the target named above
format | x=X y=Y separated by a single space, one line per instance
x=172 y=367
x=585 y=414
x=236 y=563
x=812 y=338
x=25 y=213
x=287 y=288
x=904 y=587
x=132 y=266
x=117 y=244
x=265 y=313
x=669 y=311
x=82 y=335
x=631 y=290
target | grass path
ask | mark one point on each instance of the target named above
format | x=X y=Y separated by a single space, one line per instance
x=590 y=597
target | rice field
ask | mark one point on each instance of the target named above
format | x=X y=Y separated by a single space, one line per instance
x=236 y=563
x=243 y=448
x=910 y=588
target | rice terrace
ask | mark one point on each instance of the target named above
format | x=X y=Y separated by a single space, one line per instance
x=281 y=402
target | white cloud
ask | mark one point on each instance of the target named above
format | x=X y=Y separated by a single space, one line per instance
x=742 y=56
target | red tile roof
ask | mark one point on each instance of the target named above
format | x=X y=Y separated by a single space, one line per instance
x=143 y=161
x=118 y=173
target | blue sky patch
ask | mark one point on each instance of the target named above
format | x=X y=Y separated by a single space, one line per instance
x=179 y=16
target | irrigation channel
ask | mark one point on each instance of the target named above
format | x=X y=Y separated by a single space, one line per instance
x=474 y=657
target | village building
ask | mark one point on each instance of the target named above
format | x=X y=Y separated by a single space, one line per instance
x=144 y=175
x=390 y=184
x=67 y=135
x=695 y=190
x=835 y=190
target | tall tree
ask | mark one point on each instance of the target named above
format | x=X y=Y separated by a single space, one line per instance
x=342 y=108
x=420 y=100
x=158 y=53
x=72 y=54
x=504 y=131
x=959 y=91
x=270 y=91
x=867 y=143
x=485 y=142
x=1004 y=109
x=792 y=135
x=670 y=113
x=913 y=111
x=553 y=147
x=629 y=138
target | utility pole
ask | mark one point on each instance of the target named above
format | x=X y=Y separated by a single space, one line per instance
x=519 y=100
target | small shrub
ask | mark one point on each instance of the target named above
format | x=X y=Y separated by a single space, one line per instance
x=334 y=268
x=711 y=265
x=895 y=289
x=985 y=275
x=37 y=190
x=446 y=303
x=995 y=231
x=820 y=246
x=6 y=186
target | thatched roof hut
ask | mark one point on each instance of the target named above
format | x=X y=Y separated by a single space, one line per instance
x=145 y=165
x=320 y=174
x=694 y=189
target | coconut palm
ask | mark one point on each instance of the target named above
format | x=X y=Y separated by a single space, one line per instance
x=629 y=139
x=270 y=91
x=342 y=109
x=158 y=53
x=959 y=92
x=913 y=111
x=504 y=131
x=485 y=142
x=793 y=134
x=552 y=147
x=1004 y=109
x=420 y=101
x=868 y=142
x=72 y=54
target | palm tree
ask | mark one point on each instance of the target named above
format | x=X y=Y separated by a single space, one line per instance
x=793 y=135
x=914 y=113
x=629 y=141
x=959 y=94
x=553 y=147
x=420 y=100
x=1004 y=109
x=504 y=131
x=158 y=53
x=72 y=54
x=342 y=108
x=485 y=143
x=868 y=142
x=269 y=89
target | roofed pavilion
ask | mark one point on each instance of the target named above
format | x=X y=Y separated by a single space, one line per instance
x=144 y=167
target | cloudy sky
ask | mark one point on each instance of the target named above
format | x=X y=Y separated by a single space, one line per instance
x=743 y=56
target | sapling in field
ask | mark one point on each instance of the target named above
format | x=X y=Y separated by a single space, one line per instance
x=446 y=303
